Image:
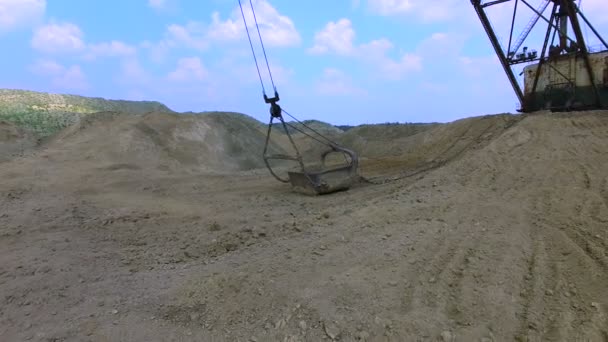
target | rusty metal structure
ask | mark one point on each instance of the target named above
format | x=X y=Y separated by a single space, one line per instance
x=566 y=74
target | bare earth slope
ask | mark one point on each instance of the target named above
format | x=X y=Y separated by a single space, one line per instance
x=162 y=141
x=14 y=141
x=500 y=236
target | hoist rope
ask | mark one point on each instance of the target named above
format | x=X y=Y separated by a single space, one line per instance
x=255 y=59
x=262 y=44
x=295 y=128
x=326 y=141
x=252 y=50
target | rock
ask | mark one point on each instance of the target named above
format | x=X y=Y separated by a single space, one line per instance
x=393 y=283
x=114 y=312
x=363 y=336
x=280 y=324
x=432 y=280
x=447 y=336
x=214 y=227
x=303 y=325
x=595 y=305
x=332 y=330
x=549 y=292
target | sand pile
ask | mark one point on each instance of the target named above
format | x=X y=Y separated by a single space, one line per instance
x=403 y=151
x=501 y=235
x=14 y=141
x=208 y=142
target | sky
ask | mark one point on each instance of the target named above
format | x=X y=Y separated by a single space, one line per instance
x=340 y=61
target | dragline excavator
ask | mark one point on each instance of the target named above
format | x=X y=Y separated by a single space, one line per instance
x=567 y=74
x=319 y=178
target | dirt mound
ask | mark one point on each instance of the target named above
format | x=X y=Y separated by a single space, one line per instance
x=165 y=141
x=14 y=141
x=391 y=151
x=406 y=151
x=500 y=236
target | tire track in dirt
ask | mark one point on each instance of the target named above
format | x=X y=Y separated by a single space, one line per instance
x=585 y=176
x=572 y=261
x=593 y=250
x=569 y=304
x=529 y=286
x=603 y=191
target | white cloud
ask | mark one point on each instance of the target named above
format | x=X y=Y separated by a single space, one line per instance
x=397 y=69
x=228 y=29
x=110 y=49
x=68 y=38
x=16 y=14
x=390 y=7
x=276 y=29
x=375 y=48
x=58 y=38
x=425 y=10
x=192 y=35
x=163 y=5
x=335 y=83
x=377 y=51
x=157 y=4
x=63 y=78
x=336 y=37
x=188 y=69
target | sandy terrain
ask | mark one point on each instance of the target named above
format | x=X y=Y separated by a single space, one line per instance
x=159 y=228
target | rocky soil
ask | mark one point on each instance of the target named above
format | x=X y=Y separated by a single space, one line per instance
x=158 y=228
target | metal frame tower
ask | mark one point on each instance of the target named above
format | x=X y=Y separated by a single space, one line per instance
x=563 y=39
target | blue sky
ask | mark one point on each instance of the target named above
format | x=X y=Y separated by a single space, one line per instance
x=343 y=62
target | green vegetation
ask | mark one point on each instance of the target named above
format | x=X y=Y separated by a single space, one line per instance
x=45 y=114
x=41 y=123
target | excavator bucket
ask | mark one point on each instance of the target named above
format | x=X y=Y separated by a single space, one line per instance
x=319 y=183
x=319 y=179
x=325 y=180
